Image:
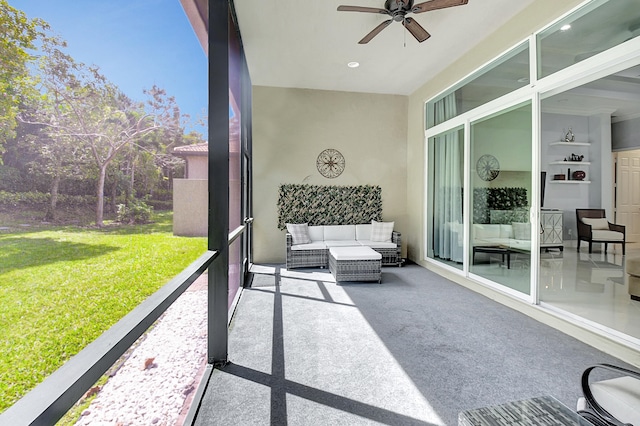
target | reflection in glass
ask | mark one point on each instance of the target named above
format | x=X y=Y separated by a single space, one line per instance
x=590 y=30
x=502 y=76
x=500 y=229
x=446 y=154
x=235 y=269
x=235 y=165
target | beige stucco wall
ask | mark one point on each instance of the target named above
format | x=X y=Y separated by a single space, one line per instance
x=518 y=29
x=292 y=126
x=190 y=207
x=197 y=167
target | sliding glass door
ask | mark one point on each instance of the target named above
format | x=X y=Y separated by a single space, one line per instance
x=501 y=194
x=446 y=166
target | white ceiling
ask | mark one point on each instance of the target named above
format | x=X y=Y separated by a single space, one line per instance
x=308 y=43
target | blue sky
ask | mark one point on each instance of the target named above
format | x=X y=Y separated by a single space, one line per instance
x=136 y=44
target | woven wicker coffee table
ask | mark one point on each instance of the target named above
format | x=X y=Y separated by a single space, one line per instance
x=355 y=264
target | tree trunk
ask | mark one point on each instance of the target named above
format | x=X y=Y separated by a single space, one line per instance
x=114 y=196
x=50 y=215
x=132 y=181
x=128 y=186
x=100 y=196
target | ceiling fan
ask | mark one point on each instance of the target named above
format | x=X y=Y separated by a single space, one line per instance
x=398 y=10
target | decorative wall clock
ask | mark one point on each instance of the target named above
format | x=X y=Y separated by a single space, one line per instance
x=330 y=163
x=488 y=167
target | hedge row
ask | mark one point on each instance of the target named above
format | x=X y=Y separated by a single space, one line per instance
x=41 y=199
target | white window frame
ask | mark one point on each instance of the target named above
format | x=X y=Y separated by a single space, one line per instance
x=615 y=59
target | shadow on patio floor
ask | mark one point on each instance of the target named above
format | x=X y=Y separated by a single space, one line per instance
x=414 y=350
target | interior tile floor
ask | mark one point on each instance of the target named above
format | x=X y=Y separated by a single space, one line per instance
x=590 y=286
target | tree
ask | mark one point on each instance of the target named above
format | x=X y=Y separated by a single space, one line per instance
x=81 y=107
x=18 y=37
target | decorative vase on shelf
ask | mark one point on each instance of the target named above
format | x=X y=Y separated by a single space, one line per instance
x=579 y=175
x=569 y=136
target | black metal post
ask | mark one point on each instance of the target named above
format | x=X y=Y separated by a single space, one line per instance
x=218 y=179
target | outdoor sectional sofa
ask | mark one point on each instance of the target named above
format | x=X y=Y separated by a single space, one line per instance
x=316 y=252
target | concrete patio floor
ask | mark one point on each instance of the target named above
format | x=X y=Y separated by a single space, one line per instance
x=414 y=350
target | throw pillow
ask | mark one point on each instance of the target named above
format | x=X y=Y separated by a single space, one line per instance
x=521 y=230
x=596 y=223
x=485 y=230
x=299 y=232
x=381 y=231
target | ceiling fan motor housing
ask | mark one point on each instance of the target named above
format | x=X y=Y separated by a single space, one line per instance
x=398 y=6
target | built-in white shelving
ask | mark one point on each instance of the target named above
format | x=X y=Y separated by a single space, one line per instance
x=577 y=163
x=570 y=143
x=570 y=164
x=570 y=181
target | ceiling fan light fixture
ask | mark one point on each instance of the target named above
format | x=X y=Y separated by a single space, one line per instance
x=397 y=10
x=565 y=27
x=353 y=64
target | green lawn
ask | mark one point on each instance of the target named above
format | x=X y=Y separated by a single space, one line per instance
x=61 y=287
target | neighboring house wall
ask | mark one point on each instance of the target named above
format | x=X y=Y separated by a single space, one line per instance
x=197 y=167
x=190 y=207
x=292 y=126
x=531 y=19
x=190 y=195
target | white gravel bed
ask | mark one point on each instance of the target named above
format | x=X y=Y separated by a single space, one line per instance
x=155 y=384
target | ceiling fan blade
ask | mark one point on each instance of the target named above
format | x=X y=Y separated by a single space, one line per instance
x=437 y=4
x=375 y=32
x=416 y=29
x=362 y=9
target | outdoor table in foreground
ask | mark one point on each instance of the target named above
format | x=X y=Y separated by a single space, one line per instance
x=539 y=411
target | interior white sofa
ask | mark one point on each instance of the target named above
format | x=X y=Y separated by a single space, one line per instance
x=502 y=239
x=516 y=235
x=316 y=252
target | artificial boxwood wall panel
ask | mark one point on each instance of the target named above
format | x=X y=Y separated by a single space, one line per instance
x=328 y=205
x=487 y=199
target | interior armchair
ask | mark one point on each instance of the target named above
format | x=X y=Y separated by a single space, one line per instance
x=593 y=227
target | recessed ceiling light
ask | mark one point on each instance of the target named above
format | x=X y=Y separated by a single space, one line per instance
x=565 y=27
x=353 y=64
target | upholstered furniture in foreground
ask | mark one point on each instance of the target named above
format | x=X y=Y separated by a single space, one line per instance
x=593 y=227
x=358 y=263
x=613 y=401
x=313 y=251
x=632 y=268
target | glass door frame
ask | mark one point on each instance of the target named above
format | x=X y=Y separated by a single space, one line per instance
x=612 y=60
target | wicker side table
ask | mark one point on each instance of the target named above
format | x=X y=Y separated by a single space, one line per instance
x=355 y=264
